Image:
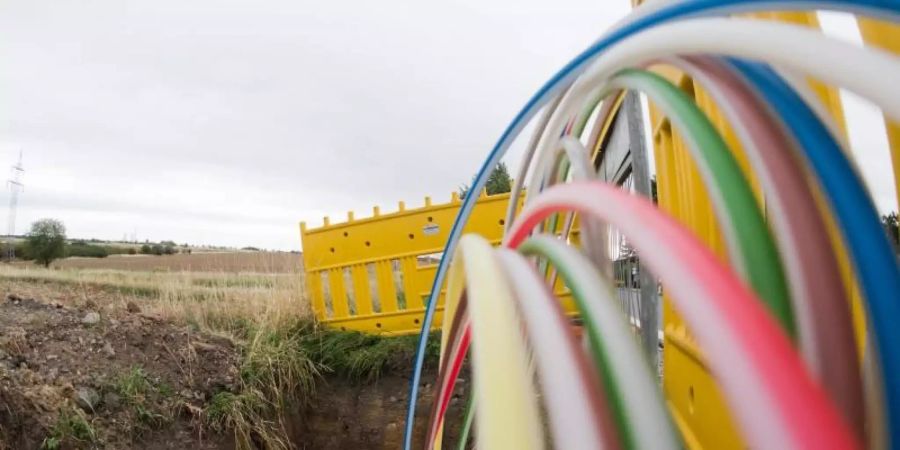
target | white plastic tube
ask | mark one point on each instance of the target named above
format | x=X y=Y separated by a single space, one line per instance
x=527 y=158
x=567 y=394
x=867 y=72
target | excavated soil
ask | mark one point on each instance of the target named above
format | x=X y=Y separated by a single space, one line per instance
x=52 y=354
x=61 y=353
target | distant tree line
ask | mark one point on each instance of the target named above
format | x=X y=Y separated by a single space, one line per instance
x=78 y=248
x=163 y=248
x=46 y=242
x=82 y=249
x=86 y=249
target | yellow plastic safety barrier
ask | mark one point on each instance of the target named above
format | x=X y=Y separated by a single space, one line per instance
x=374 y=274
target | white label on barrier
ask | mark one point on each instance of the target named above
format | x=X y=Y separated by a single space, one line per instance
x=431 y=228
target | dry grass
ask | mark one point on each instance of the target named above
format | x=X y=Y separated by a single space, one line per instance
x=214 y=301
x=230 y=262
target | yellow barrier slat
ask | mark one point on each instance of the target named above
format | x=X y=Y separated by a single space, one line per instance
x=362 y=291
x=387 y=293
x=338 y=293
x=314 y=283
x=410 y=286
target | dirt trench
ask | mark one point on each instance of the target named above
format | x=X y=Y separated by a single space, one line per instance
x=345 y=415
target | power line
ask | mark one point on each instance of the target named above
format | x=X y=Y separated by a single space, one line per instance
x=15 y=187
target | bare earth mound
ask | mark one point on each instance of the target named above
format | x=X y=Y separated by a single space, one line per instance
x=70 y=378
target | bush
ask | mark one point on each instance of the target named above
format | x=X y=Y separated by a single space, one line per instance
x=22 y=251
x=364 y=357
x=119 y=250
x=158 y=249
x=86 y=250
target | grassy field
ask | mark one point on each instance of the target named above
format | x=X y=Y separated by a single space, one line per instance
x=230 y=262
x=217 y=291
x=215 y=301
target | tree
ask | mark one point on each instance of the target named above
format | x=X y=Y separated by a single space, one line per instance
x=47 y=241
x=498 y=182
x=891 y=225
x=146 y=249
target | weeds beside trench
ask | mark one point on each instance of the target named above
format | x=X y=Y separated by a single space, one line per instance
x=280 y=369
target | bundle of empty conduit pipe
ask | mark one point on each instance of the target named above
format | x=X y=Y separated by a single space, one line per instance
x=772 y=316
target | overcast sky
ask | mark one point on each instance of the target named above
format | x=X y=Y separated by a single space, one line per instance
x=227 y=122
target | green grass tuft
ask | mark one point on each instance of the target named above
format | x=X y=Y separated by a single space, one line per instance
x=364 y=357
x=249 y=416
x=145 y=398
x=72 y=429
x=276 y=372
x=134 y=386
x=276 y=363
